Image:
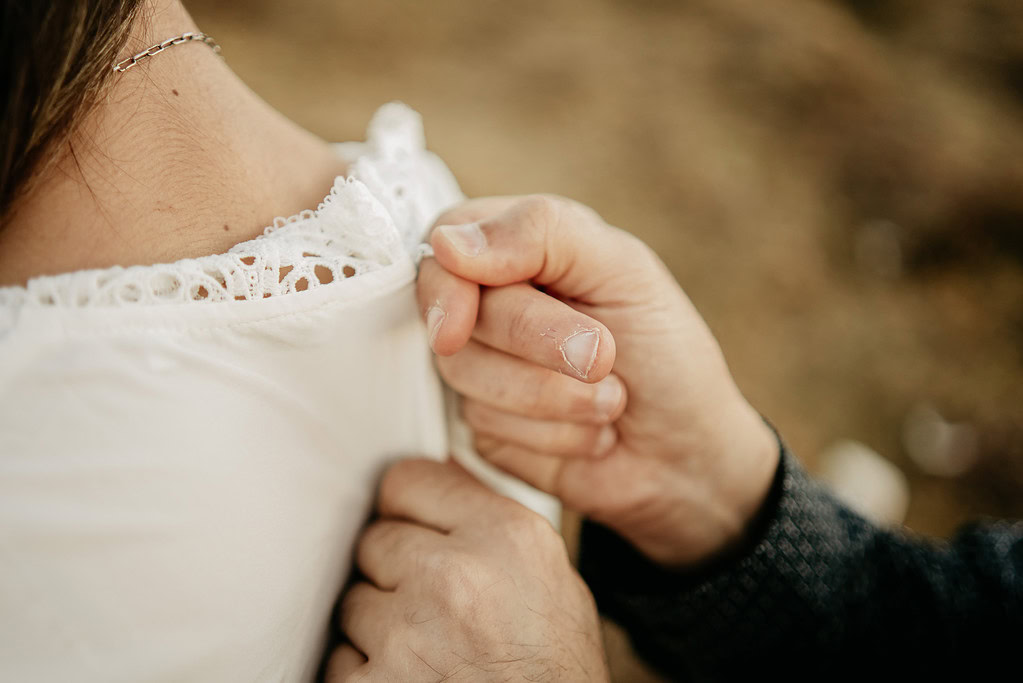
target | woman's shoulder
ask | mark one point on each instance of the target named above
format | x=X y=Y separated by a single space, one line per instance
x=371 y=220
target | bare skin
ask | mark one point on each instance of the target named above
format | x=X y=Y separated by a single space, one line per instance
x=179 y=159
x=586 y=371
x=461 y=584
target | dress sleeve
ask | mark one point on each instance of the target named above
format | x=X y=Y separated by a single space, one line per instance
x=818 y=588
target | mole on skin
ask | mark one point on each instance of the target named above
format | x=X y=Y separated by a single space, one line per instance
x=174 y=91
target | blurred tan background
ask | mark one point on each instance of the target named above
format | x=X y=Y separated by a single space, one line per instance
x=837 y=184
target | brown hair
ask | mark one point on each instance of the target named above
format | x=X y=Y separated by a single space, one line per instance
x=54 y=59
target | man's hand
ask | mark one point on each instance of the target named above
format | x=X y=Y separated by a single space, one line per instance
x=586 y=371
x=463 y=585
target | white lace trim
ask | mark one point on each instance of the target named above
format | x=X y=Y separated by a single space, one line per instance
x=370 y=220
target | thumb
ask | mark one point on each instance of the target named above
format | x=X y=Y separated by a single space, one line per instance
x=556 y=243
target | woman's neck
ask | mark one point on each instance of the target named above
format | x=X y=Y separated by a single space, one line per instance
x=179 y=159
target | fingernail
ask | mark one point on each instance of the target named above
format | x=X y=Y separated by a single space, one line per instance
x=434 y=319
x=468 y=239
x=580 y=351
x=609 y=395
x=605 y=441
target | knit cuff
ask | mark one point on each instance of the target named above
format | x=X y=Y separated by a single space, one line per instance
x=735 y=605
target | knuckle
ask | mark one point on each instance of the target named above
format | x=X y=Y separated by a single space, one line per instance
x=352 y=602
x=639 y=251
x=457 y=577
x=365 y=545
x=542 y=204
x=398 y=476
x=339 y=666
x=378 y=535
x=442 y=563
x=524 y=527
x=543 y=210
x=583 y=212
x=391 y=482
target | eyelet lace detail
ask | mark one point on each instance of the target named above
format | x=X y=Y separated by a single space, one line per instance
x=350 y=233
x=370 y=220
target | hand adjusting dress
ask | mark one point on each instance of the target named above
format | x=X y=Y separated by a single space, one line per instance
x=187 y=451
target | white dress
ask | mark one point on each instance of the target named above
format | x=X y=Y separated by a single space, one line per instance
x=187 y=451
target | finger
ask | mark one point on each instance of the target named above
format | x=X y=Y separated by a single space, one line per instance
x=346 y=664
x=435 y=494
x=551 y=241
x=541 y=471
x=448 y=304
x=592 y=488
x=512 y=384
x=388 y=551
x=568 y=439
x=477 y=209
x=366 y=618
x=523 y=321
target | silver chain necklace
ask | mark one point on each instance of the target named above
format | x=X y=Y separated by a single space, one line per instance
x=122 y=66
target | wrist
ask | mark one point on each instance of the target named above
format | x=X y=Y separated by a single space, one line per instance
x=749 y=472
x=710 y=498
x=750 y=467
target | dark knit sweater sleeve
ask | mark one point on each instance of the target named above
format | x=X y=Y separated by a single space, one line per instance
x=817 y=587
